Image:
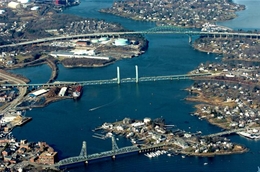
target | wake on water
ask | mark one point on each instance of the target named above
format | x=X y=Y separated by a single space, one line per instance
x=107 y=104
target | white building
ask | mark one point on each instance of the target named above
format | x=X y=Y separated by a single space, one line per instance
x=13 y=5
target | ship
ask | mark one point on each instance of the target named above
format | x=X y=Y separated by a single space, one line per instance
x=77 y=93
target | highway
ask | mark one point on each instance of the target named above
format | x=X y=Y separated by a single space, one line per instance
x=22 y=91
x=156 y=30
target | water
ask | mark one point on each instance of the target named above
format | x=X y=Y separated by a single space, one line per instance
x=247 y=19
x=67 y=123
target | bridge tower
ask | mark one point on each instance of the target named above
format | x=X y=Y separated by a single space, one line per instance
x=118 y=75
x=114 y=146
x=83 y=151
x=136 y=73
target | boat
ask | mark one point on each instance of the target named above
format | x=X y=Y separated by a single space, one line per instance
x=77 y=93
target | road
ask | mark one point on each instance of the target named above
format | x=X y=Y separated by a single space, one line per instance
x=156 y=30
x=22 y=91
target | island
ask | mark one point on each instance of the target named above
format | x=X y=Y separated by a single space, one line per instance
x=148 y=132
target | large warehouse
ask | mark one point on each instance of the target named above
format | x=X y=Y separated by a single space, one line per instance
x=38 y=92
x=62 y=91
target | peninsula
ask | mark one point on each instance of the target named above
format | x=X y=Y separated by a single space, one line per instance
x=192 y=14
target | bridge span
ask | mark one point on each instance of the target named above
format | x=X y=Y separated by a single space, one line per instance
x=230 y=132
x=155 y=30
x=117 y=80
x=83 y=157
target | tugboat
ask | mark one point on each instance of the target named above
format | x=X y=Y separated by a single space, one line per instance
x=77 y=93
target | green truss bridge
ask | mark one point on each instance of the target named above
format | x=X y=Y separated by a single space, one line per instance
x=155 y=30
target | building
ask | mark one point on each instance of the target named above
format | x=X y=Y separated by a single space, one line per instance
x=13 y=5
x=38 y=92
x=47 y=158
x=121 y=42
x=83 y=43
x=62 y=91
x=24 y=1
x=2 y=11
x=34 y=8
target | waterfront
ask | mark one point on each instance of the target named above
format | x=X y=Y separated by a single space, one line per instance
x=169 y=54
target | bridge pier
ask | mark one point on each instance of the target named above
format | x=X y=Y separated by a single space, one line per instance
x=190 y=39
x=136 y=73
x=118 y=75
x=113 y=157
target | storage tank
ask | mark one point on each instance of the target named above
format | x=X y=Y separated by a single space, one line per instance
x=121 y=42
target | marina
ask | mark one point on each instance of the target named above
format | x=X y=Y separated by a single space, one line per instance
x=155 y=154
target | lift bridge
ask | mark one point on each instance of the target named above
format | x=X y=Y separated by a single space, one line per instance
x=117 y=80
x=84 y=157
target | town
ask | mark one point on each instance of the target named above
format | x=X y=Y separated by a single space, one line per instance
x=236 y=77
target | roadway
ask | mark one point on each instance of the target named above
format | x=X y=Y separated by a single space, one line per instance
x=107 y=154
x=110 y=81
x=150 y=31
x=230 y=131
x=22 y=91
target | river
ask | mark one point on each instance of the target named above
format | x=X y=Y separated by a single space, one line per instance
x=65 y=124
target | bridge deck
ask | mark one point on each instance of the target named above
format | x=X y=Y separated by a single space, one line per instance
x=156 y=30
x=106 y=154
x=110 y=81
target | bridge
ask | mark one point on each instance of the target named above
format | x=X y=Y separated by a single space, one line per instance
x=117 y=80
x=83 y=157
x=230 y=132
x=155 y=30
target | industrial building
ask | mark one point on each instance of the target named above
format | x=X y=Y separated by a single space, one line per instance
x=38 y=93
x=62 y=91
